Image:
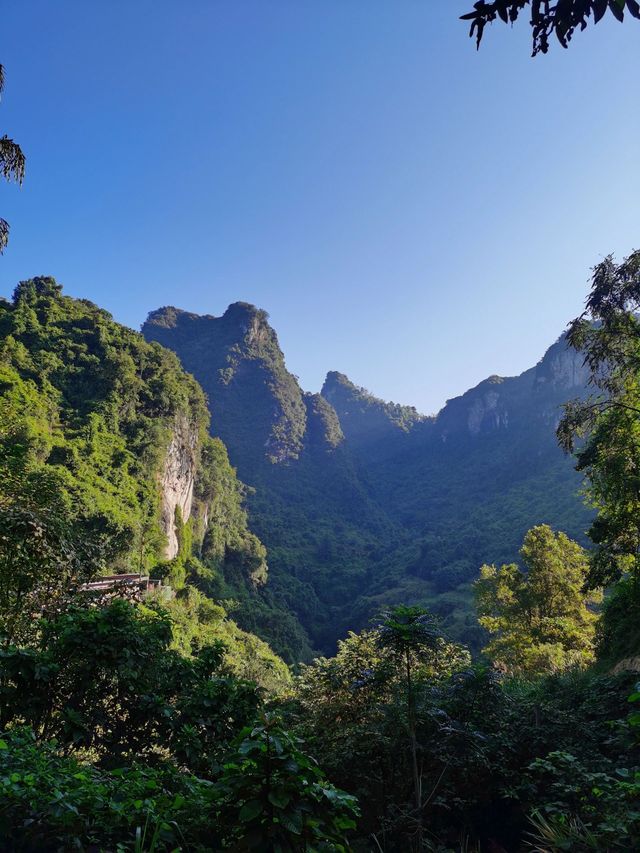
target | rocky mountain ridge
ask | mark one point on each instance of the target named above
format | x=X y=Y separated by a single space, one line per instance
x=239 y=348
x=360 y=501
x=486 y=407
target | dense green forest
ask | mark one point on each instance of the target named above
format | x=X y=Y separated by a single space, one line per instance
x=237 y=616
x=363 y=504
x=107 y=466
x=154 y=722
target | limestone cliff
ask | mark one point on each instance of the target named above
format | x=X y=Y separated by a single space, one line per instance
x=178 y=479
x=518 y=402
x=562 y=368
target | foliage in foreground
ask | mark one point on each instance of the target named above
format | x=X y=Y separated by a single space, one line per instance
x=269 y=796
x=109 y=732
x=133 y=736
x=491 y=753
x=604 y=431
x=12 y=168
x=276 y=798
x=561 y=18
x=52 y=802
x=105 y=680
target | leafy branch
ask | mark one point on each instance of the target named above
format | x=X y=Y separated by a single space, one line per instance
x=561 y=18
x=12 y=167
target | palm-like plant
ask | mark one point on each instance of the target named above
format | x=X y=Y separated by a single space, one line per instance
x=407 y=632
x=555 y=833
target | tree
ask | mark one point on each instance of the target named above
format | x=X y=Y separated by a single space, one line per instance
x=43 y=556
x=371 y=724
x=12 y=166
x=540 y=617
x=407 y=632
x=275 y=798
x=604 y=433
x=604 y=430
x=105 y=679
x=561 y=18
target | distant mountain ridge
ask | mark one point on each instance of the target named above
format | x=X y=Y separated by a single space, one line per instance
x=363 y=416
x=240 y=350
x=361 y=502
x=483 y=408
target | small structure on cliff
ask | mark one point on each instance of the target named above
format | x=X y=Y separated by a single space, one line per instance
x=133 y=587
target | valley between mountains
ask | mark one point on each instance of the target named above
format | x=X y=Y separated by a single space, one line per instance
x=284 y=571
x=191 y=452
x=363 y=503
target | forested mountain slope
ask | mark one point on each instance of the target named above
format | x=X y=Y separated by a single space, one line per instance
x=362 y=502
x=140 y=717
x=105 y=452
x=310 y=494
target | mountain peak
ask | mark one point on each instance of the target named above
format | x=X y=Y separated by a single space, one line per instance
x=362 y=415
x=34 y=288
x=168 y=317
x=334 y=379
x=238 y=361
x=249 y=319
x=244 y=309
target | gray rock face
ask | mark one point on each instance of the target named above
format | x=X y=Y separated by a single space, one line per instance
x=177 y=482
x=486 y=411
x=563 y=368
x=518 y=402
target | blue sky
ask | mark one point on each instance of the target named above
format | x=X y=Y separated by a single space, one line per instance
x=410 y=212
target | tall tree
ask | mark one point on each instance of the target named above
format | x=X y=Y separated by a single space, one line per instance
x=374 y=714
x=604 y=430
x=12 y=166
x=561 y=18
x=539 y=617
x=604 y=433
x=407 y=632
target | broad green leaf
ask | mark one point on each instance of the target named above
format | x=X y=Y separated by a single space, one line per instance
x=250 y=811
x=280 y=799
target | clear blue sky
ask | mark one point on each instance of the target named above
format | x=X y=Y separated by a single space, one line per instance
x=410 y=212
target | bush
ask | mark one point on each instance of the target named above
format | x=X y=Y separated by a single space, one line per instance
x=49 y=802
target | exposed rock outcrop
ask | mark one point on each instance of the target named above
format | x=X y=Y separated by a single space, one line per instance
x=562 y=367
x=178 y=479
x=517 y=402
